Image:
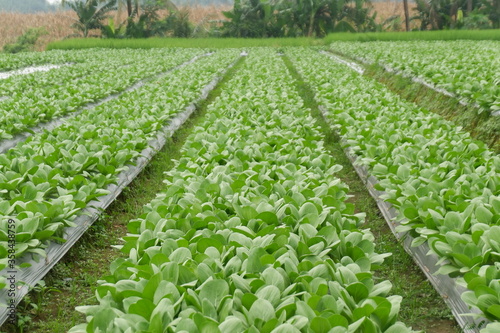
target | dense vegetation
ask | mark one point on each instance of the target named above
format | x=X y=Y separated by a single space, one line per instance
x=252 y=232
x=443 y=35
x=279 y=18
x=63 y=176
x=444 y=184
x=472 y=77
x=452 y=14
x=146 y=43
x=25 y=42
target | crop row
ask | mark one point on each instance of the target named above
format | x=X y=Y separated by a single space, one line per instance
x=469 y=69
x=444 y=184
x=47 y=180
x=41 y=97
x=98 y=60
x=90 y=62
x=252 y=233
x=15 y=61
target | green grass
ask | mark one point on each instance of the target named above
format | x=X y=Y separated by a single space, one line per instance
x=422 y=307
x=415 y=35
x=73 y=280
x=210 y=43
x=215 y=43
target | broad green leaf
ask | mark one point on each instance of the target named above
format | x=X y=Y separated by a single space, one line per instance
x=160 y=317
x=494 y=310
x=453 y=221
x=320 y=325
x=248 y=213
x=270 y=293
x=262 y=309
x=143 y=308
x=272 y=277
x=102 y=319
x=268 y=217
x=308 y=208
x=254 y=264
x=447 y=269
x=180 y=255
x=483 y=215
x=170 y=272
x=398 y=328
x=304 y=310
x=214 y=291
x=403 y=172
x=231 y=325
x=285 y=328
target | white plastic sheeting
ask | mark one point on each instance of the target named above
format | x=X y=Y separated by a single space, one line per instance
x=29 y=70
x=351 y=64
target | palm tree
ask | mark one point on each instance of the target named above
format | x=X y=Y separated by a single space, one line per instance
x=90 y=13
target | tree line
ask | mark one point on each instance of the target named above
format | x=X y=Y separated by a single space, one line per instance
x=277 y=18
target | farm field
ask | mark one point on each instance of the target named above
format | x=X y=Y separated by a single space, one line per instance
x=255 y=226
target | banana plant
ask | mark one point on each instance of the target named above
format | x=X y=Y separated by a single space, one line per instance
x=90 y=13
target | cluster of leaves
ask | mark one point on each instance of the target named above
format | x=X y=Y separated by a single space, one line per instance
x=474 y=76
x=279 y=18
x=25 y=42
x=150 y=24
x=445 y=185
x=43 y=96
x=484 y=294
x=48 y=179
x=90 y=14
x=452 y=14
x=252 y=233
